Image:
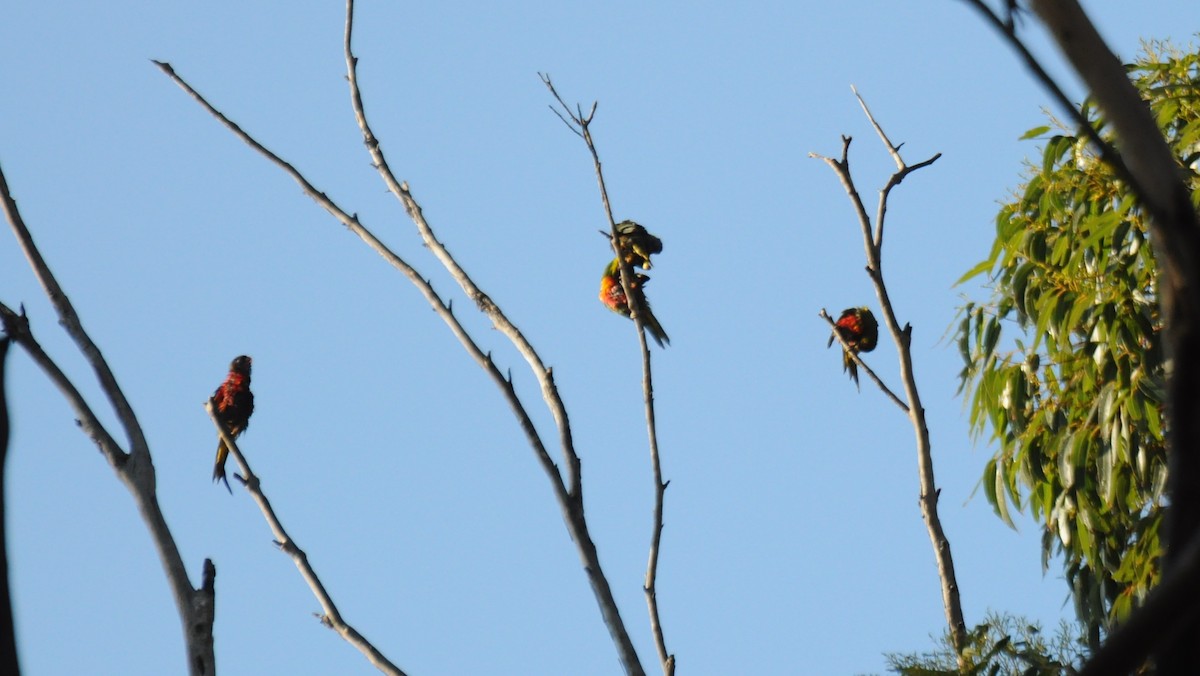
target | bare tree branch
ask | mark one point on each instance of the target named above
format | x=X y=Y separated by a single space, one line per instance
x=570 y=500
x=1008 y=27
x=442 y=308
x=581 y=125
x=872 y=243
x=136 y=468
x=330 y=616
x=481 y=299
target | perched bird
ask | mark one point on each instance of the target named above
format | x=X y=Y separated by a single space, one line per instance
x=858 y=328
x=235 y=403
x=613 y=297
x=636 y=244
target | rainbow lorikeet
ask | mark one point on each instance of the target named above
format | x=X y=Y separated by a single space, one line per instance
x=235 y=403
x=636 y=244
x=613 y=297
x=858 y=328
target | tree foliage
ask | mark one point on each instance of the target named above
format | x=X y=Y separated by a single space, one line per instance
x=1074 y=394
x=1002 y=644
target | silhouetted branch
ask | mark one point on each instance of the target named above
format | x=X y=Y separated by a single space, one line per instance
x=9 y=663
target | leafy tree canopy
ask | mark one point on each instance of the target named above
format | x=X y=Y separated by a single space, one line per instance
x=1074 y=393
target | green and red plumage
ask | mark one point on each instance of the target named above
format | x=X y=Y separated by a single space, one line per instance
x=613 y=297
x=235 y=403
x=857 y=326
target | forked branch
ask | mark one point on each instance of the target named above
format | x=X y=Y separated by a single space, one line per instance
x=135 y=468
x=873 y=245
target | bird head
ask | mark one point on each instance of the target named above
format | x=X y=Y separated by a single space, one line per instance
x=241 y=365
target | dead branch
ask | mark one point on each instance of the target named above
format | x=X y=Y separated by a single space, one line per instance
x=330 y=616
x=135 y=468
x=873 y=245
x=8 y=636
x=439 y=306
x=581 y=125
x=570 y=500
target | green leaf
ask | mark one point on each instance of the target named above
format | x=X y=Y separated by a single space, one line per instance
x=991 y=335
x=1035 y=132
x=1105 y=461
x=1055 y=148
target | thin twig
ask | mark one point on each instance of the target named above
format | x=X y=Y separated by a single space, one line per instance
x=17 y=327
x=330 y=616
x=862 y=364
x=872 y=244
x=134 y=468
x=581 y=124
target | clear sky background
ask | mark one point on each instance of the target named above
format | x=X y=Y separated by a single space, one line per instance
x=793 y=541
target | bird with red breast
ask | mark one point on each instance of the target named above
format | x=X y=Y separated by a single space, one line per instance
x=235 y=403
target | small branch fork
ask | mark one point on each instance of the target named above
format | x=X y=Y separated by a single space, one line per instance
x=873 y=244
x=580 y=124
x=330 y=616
x=196 y=606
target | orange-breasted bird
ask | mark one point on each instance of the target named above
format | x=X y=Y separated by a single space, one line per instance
x=613 y=297
x=858 y=328
x=636 y=244
x=235 y=403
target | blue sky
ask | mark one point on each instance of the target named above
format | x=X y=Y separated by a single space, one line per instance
x=793 y=541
